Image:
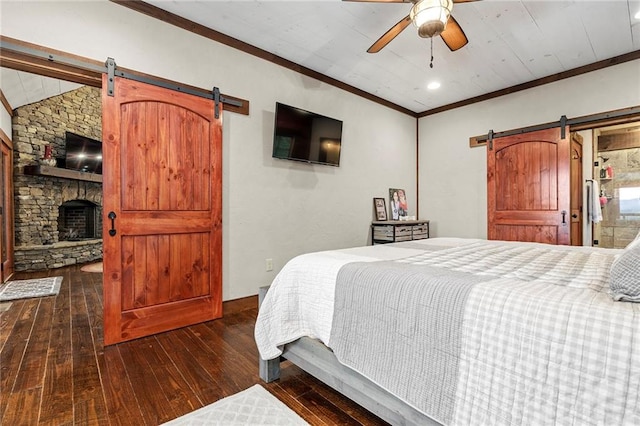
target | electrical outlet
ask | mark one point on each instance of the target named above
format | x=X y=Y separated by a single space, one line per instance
x=268 y=264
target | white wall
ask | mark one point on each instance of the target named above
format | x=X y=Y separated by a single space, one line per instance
x=271 y=208
x=452 y=177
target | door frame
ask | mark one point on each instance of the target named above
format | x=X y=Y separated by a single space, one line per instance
x=7 y=234
x=577 y=180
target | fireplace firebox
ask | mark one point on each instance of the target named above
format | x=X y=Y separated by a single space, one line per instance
x=77 y=221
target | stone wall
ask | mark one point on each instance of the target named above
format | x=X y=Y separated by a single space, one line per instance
x=37 y=198
x=34 y=258
x=44 y=123
x=617 y=229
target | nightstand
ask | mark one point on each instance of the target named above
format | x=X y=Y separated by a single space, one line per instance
x=392 y=231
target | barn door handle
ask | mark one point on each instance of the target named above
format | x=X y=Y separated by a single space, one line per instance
x=564 y=217
x=112 y=216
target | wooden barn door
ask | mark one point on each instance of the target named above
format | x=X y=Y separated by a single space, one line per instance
x=162 y=224
x=529 y=187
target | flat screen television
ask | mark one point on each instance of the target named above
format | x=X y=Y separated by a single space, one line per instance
x=306 y=136
x=83 y=154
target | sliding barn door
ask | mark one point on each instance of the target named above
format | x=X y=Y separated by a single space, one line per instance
x=162 y=225
x=528 y=187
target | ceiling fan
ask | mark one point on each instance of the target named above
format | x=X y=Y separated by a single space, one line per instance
x=431 y=17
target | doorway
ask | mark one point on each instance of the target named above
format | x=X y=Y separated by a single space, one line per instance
x=617 y=170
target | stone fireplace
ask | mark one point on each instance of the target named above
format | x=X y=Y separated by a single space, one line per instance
x=57 y=215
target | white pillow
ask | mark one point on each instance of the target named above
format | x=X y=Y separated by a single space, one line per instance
x=625 y=275
x=635 y=242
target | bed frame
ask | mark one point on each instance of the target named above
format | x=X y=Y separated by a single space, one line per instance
x=319 y=361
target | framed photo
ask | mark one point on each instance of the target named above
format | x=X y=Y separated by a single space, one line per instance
x=381 y=208
x=398 y=206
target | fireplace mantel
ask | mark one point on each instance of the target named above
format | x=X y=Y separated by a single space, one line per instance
x=42 y=170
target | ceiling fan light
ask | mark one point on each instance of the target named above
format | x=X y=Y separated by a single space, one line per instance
x=431 y=16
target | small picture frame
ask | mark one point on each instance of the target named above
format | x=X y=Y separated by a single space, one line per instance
x=379 y=205
x=398 y=207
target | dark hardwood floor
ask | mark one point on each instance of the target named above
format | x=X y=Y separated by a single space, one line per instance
x=55 y=370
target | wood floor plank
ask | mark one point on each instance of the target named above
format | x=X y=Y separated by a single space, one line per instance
x=292 y=385
x=22 y=407
x=88 y=397
x=237 y=330
x=10 y=356
x=290 y=400
x=329 y=412
x=8 y=320
x=154 y=405
x=90 y=411
x=230 y=360
x=93 y=302
x=143 y=382
x=57 y=394
x=181 y=397
x=122 y=403
x=298 y=382
x=198 y=377
x=343 y=404
x=13 y=351
x=208 y=346
x=34 y=361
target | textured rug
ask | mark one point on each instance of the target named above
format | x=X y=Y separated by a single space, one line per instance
x=254 y=406
x=23 y=289
x=92 y=267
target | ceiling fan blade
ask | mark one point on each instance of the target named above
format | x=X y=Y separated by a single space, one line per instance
x=389 y=35
x=453 y=36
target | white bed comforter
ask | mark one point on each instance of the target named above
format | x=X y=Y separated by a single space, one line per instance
x=533 y=352
x=300 y=300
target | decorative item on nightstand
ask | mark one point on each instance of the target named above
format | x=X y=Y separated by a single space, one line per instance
x=47 y=159
x=380 y=208
x=392 y=231
x=398 y=206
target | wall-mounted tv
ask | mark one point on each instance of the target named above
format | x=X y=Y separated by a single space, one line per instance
x=306 y=136
x=83 y=154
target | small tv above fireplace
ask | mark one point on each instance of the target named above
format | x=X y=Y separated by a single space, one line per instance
x=83 y=153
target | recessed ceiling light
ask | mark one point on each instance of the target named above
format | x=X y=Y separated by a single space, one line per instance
x=637 y=15
x=433 y=85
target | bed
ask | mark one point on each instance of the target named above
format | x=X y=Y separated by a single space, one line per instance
x=464 y=331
